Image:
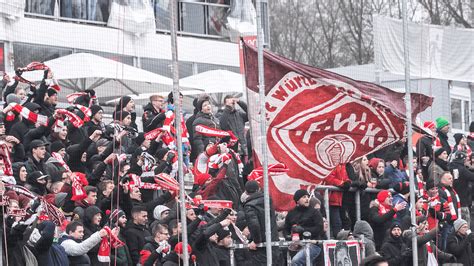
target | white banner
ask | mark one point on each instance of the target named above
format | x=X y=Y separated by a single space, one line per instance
x=435 y=51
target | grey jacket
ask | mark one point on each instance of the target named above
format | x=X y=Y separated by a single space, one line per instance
x=74 y=248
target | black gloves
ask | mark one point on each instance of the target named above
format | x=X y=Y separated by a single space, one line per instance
x=346 y=185
x=407 y=253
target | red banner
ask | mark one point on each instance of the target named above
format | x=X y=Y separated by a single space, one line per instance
x=317 y=119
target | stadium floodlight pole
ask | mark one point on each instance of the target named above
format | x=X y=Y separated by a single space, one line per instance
x=414 y=245
x=177 y=123
x=263 y=138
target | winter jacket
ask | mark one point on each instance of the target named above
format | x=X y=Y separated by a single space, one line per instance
x=206 y=250
x=89 y=230
x=424 y=147
x=255 y=217
x=75 y=154
x=152 y=118
x=120 y=256
x=135 y=238
x=362 y=228
x=33 y=165
x=462 y=182
x=42 y=247
x=172 y=259
x=148 y=254
x=234 y=120
x=336 y=178
x=308 y=218
x=392 y=250
x=460 y=247
x=77 y=250
x=380 y=224
x=200 y=141
x=423 y=241
x=443 y=139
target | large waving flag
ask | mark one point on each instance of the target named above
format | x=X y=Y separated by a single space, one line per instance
x=317 y=119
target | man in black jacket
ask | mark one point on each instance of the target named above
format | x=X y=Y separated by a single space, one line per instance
x=459 y=242
x=136 y=232
x=462 y=183
x=255 y=217
x=394 y=249
x=234 y=120
x=154 y=113
x=304 y=219
x=442 y=128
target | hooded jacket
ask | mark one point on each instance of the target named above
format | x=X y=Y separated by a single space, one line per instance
x=308 y=218
x=90 y=229
x=362 y=228
x=135 y=237
x=394 y=250
x=460 y=247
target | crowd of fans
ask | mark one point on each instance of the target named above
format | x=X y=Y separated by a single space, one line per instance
x=78 y=191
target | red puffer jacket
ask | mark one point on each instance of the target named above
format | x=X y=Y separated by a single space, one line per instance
x=336 y=178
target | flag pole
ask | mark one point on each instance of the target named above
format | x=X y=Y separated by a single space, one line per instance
x=409 y=132
x=263 y=138
x=177 y=123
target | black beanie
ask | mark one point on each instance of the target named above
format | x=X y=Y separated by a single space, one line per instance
x=299 y=194
x=51 y=92
x=57 y=146
x=120 y=115
x=430 y=184
x=471 y=127
x=95 y=109
x=458 y=137
x=201 y=102
x=222 y=233
x=170 y=97
x=439 y=151
x=124 y=100
x=251 y=186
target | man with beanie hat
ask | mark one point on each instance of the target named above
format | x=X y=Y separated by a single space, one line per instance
x=442 y=128
x=438 y=166
x=95 y=122
x=424 y=146
x=460 y=144
x=303 y=219
x=154 y=113
x=127 y=104
x=381 y=215
x=255 y=216
x=47 y=96
x=121 y=255
x=459 y=242
x=394 y=249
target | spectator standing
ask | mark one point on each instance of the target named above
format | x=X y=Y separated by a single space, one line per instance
x=450 y=196
x=394 y=249
x=338 y=177
x=234 y=120
x=442 y=128
x=204 y=118
x=459 y=242
x=438 y=166
x=470 y=137
x=154 y=113
x=136 y=232
x=255 y=217
x=462 y=184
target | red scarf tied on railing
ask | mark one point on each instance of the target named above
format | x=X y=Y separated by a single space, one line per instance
x=104 y=249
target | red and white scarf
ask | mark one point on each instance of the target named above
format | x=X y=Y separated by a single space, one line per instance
x=273 y=170
x=75 y=120
x=383 y=209
x=453 y=210
x=5 y=155
x=464 y=148
x=136 y=181
x=71 y=98
x=86 y=111
x=54 y=214
x=167 y=182
x=79 y=180
x=31 y=116
x=104 y=249
x=213 y=132
x=169 y=126
x=60 y=160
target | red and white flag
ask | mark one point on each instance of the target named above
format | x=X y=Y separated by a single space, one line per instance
x=317 y=120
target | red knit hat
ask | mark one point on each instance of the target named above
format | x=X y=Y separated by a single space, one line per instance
x=383 y=195
x=179 y=248
x=429 y=124
x=374 y=162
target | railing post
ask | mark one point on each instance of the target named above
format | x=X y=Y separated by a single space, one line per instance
x=357 y=204
x=307 y=254
x=326 y=206
x=232 y=258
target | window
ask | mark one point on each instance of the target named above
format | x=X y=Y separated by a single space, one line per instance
x=460 y=113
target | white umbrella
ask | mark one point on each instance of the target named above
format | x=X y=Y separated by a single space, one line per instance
x=109 y=78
